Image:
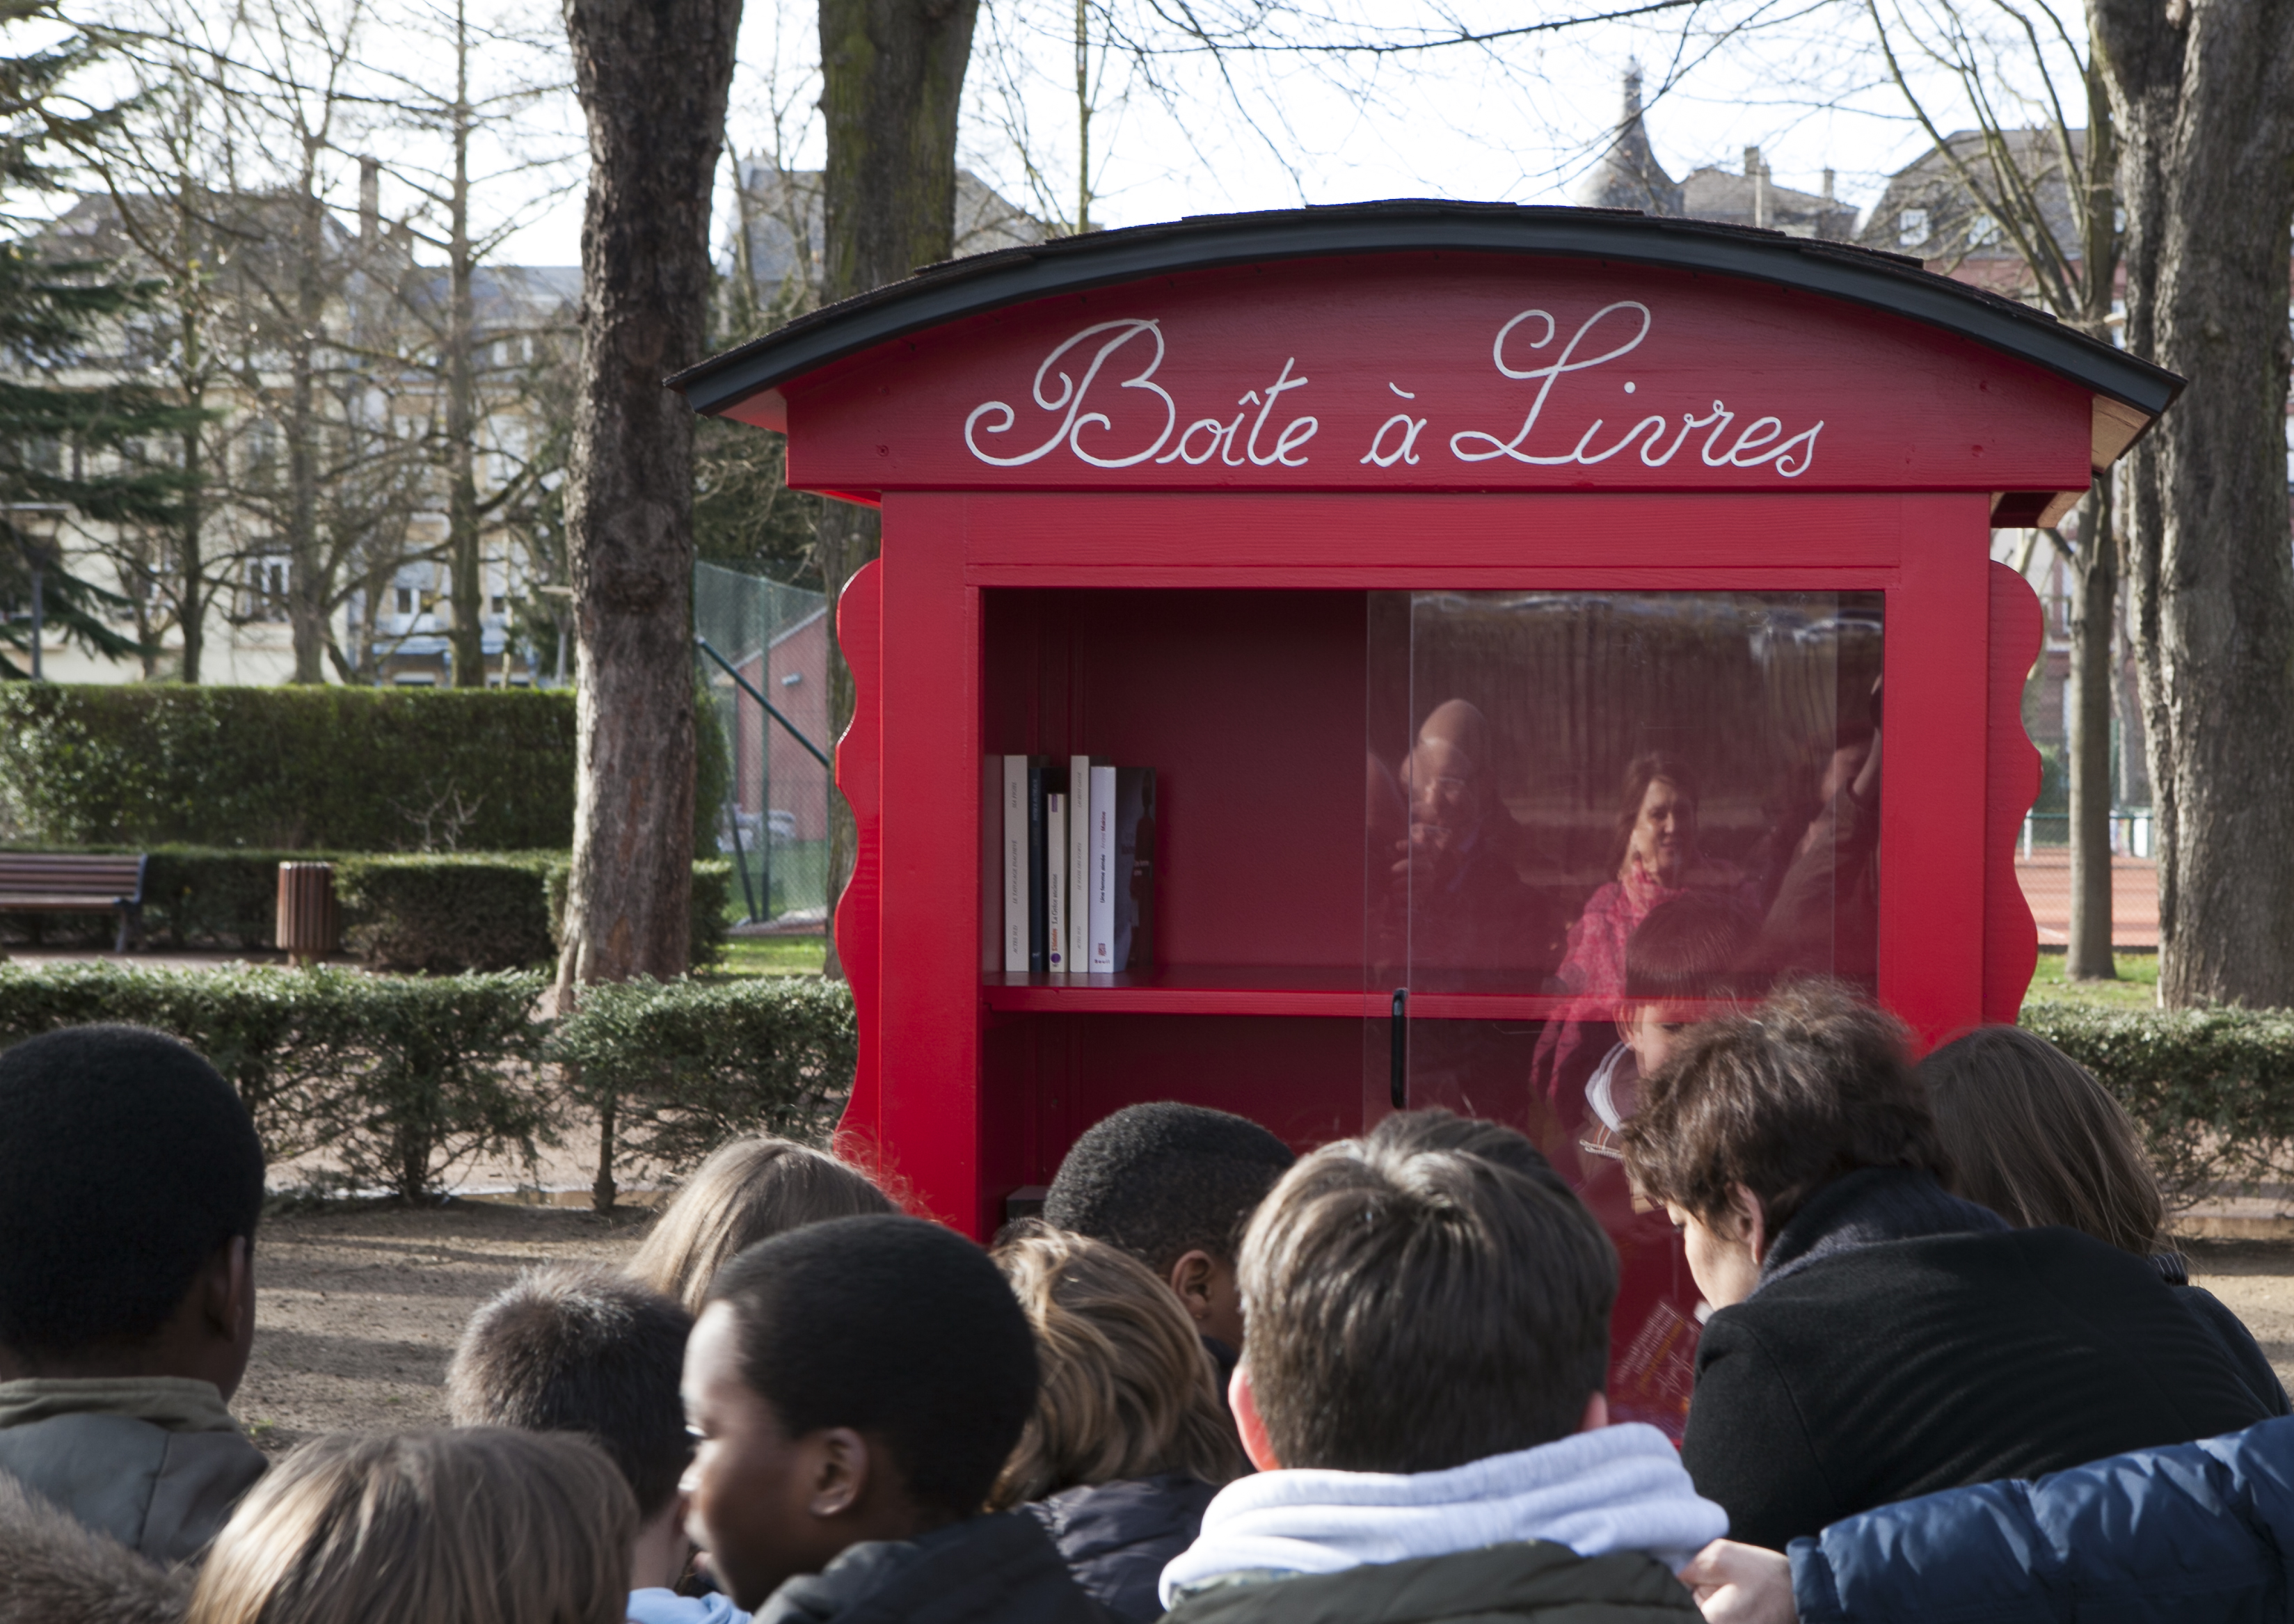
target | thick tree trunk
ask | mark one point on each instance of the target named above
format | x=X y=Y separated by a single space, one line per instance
x=2094 y=603
x=653 y=76
x=892 y=83
x=2203 y=95
x=309 y=580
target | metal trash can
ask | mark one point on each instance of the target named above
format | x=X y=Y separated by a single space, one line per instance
x=310 y=925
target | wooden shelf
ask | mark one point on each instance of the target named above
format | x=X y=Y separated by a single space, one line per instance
x=1265 y=989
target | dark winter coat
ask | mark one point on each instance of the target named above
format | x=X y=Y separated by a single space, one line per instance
x=1901 y=1341
x=2195 y=1530
x=2237 y=1341
x=999 y=1569
x=1117 y=1537
x=1534 y=1580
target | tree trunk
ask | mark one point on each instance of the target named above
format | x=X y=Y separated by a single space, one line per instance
x=2094 y=601
x=653 y=76
x=308 y=578
x=2203 y=95
x=464 y=565
x=892 y=83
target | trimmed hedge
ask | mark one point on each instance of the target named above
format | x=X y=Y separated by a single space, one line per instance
x=713 y=900
x=300 y=768
x=677 y=1068
x=450 y=911
x=2212 y=1090
x=399 y=1080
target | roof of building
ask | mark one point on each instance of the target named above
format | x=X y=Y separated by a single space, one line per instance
x=1627 y=174
x=950 y=292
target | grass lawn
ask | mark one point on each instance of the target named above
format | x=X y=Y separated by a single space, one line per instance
x=2136 y=988
x=772 y=955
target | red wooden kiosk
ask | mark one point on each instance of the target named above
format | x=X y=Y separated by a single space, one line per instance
x=1326 y=514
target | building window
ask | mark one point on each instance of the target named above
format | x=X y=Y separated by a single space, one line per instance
x=406 y=600
x=266 y=589
x=1983 y=231
x=1911 y=227
x=501 y=604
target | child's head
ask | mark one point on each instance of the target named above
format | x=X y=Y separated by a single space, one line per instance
x=480 y=1527
x=2030 y=1134
x=130 y=1182
x=1173 y=1185
x=1127 y=1389
x=747 y=1191
x=575 y=1350
x=1689 y=952
x=1413 y=1308
x=864 y=1378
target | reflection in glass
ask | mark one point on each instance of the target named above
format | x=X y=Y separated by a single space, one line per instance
x=1610 y=813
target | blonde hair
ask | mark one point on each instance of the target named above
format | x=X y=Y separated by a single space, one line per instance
x=748 y=1190
x=482 y=1526
x=1128 y=1388
x=2034 y=1137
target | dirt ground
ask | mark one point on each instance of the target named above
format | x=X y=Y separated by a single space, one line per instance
x=358 y=1311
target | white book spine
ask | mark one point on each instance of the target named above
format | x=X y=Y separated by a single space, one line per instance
x=1015 y=863
x=1055 y=852
x=1102 y=869
x=1079 y=910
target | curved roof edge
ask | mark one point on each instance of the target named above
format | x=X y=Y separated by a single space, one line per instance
x=948 y=292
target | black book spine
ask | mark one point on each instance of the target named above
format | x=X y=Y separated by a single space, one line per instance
x=1039 y=876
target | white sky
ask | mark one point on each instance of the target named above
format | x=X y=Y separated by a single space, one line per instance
x=1517 y=121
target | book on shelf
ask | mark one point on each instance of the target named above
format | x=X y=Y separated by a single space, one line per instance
x=1077 y=888
x=1122 y=869
x=1039 y=882
x=1055 y=895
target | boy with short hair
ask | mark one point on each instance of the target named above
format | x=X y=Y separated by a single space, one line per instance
x=1430 y=1333
x=131 y=1179
x=583 y=1350
x=1173 y=1185
x=853 y=1388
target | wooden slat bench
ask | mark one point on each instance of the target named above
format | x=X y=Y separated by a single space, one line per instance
x=72 y=882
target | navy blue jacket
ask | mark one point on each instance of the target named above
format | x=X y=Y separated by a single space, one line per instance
x=2191 y=1531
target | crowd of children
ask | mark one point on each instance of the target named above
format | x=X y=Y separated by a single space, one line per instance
x=1949 y=1371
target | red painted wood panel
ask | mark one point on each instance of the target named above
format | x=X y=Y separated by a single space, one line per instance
x=1933 y=782
x=1437 y=372
x=2011 y=939
x=859 y=775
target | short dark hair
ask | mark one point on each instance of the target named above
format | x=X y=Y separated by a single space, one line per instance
x=1783 y=1099
x=1692 y=946
x=1414 y=1307
x=1642 y=771
x=579 y=1349
x=124 y=1161
x=896 y=1328
x=1438 y=1128
x=1162 y=1180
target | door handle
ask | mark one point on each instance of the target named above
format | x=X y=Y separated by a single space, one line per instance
x=1398 y=1050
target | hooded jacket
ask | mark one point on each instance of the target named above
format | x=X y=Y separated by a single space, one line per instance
x=2196 y=1530
x=155 y=1462
x=997 y=1568
x=1115 y=1537
x=1531 y=1579
x=54 y=1569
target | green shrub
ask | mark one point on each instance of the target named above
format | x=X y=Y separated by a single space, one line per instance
x=2212 y=1090
x=448 y=911
x=397 y=1080
x=683 y=1067
x=355 y=769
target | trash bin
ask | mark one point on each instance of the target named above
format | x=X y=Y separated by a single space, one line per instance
x=310 y=926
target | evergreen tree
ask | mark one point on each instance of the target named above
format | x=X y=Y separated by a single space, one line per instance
x=70 y=451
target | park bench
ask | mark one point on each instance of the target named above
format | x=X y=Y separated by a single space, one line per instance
x=67 y=882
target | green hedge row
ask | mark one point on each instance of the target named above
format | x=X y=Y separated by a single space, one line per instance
x=303 y=767
x=2211 y=1090
x=441 y=912
x=392 y=1082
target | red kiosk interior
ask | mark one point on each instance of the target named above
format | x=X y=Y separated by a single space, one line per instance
x=1407 y=542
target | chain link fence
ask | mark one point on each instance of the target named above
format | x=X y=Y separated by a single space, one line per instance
x=763 y=654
